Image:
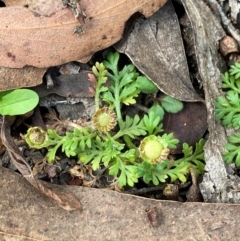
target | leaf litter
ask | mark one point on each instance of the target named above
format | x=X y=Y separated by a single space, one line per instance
x=208 y=31
x=197 y=9
x=188 y=83
x=42 y=49
x=66 y=200
x=155 y=46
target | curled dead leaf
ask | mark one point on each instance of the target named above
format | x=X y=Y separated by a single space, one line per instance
x=155 y=46
x=66 y=200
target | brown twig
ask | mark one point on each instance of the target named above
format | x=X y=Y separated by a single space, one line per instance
x=145 y=190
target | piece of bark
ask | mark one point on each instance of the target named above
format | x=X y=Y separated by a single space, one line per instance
x=235 y=7
x=28 y=38
x=107 y=215
x=219 y=11
x=155 y=46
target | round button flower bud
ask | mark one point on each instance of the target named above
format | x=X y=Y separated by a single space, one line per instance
x=152 y=149
x=36 y=137
x=104 y=119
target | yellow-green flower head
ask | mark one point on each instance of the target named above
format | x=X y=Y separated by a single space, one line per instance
x=36 y=137
x=153 y=149
x=104 y=119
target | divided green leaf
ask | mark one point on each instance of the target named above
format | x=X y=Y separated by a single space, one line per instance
x=174 y=170
x=152 y=120
x=235 y=70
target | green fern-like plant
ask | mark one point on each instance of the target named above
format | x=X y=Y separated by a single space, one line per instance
x=228 y=111
x=227 y=108
x=130 y=147
x=174 y=170
x=232 y=152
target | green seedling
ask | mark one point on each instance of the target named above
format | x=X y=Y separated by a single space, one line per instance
x=17 y=102
x=130 y=147
x=228 y=111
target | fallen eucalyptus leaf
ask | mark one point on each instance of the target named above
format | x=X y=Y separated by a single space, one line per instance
x=44 y=41
x=29 y=216
x=41 y=7
x=27 y=76
x=155 y=47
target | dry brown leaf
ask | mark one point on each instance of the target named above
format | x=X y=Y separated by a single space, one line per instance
x=27 y=38
x=27 y=76
x=66 y=200
x=42 y=7
x=155 y=46
x=108 y=216
x=18 y=78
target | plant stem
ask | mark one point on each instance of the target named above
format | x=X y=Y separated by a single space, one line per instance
x=126 y=138
x=97 y=93
x=117 y=103
x=97 y=98
x=129 y=143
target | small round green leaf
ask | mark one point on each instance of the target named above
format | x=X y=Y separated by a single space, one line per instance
x=171 y=105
